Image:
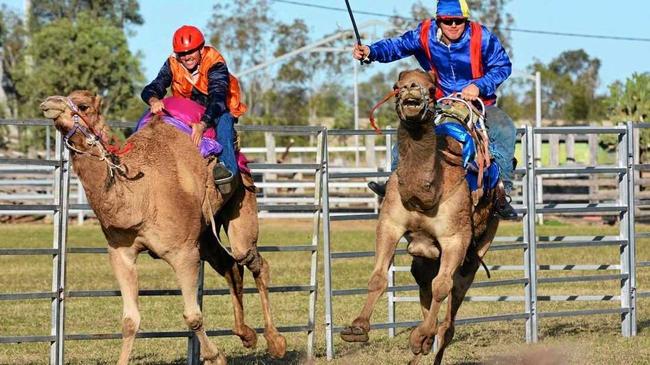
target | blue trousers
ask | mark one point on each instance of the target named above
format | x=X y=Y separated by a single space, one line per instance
x=502 y=134
x=225 y=128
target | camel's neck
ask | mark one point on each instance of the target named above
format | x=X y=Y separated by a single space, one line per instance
x=418 y=169
x=94 y=177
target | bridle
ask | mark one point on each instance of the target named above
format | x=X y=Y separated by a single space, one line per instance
x=91 y=139
x=427 y=113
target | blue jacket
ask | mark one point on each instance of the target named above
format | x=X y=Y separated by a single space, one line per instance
x=452 y=62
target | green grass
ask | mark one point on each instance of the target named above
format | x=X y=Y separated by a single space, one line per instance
x=581 y=152
x=574 y=340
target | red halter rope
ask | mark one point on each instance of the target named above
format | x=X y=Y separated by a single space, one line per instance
x=380 y=103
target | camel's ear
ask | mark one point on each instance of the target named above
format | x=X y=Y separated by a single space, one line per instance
x=399 y=77
x=97 y=103
x=432 y=77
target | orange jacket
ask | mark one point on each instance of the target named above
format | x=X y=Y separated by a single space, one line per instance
x=182 y=80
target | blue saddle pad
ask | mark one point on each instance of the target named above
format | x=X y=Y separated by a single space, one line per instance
x=459 y=133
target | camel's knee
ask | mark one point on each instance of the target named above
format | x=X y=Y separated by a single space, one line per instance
x=194 y=320
x=441 y=287
x=378 y=282
x=251 y=259
x=130 y=325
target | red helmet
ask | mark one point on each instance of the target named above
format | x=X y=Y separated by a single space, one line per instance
x=187 y=38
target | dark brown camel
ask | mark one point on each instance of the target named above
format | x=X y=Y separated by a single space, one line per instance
x=429 y=201
x=159 y=197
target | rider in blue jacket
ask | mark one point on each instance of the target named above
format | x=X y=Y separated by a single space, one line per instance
x=467 y=59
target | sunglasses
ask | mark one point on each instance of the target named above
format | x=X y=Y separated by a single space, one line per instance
x=451 y=21
x=186 y=53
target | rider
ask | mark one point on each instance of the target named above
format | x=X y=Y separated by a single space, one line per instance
x=449 y=48
x=199 y=72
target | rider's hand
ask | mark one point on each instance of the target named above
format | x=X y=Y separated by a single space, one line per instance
x=470 y=92
x=197 y=132
x=156 y=105
x=361 y=52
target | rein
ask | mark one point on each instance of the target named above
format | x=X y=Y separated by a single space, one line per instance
x=380 y=103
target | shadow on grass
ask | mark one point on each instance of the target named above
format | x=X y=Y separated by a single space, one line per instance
x=292 y=357
x=643 y=326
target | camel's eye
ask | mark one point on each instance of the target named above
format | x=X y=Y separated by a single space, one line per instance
x=83 y=107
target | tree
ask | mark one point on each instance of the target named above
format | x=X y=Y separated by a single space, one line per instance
x=630 y=101
x=87 y=53
x=12 y=43
x=569 y=84
x=119 y=13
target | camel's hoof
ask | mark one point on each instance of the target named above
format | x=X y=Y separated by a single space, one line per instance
x=276 y=344
x=218 y=359
x=248 y=338
x=420 y=344
x=415 y=360
x=354 y=334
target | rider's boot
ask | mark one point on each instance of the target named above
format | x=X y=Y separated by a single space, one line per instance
x=503 y=207
x=378 y=188
x=224 y=179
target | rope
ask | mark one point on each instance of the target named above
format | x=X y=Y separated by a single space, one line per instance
x=380 y=103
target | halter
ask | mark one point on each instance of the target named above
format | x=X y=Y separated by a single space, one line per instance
x=92 y=140
x=428 y=112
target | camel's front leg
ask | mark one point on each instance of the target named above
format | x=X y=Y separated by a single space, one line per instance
x=453 y=253
x=462 y=282
x=123 y=262
x=388 y=235
x=186 y=263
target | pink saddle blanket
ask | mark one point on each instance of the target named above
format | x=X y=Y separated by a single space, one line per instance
x=189 y=112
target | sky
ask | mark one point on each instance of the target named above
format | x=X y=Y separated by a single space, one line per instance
x=619 y=59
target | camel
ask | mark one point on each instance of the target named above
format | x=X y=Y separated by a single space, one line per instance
x=157 y=195
x=428 y=200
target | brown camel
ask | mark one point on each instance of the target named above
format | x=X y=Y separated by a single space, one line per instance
x=429 y=201
x=157 y=195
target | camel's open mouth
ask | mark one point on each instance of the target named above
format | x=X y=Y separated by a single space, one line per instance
x=411 y=106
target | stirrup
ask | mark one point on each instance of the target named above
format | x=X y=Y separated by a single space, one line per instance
x=223 y=178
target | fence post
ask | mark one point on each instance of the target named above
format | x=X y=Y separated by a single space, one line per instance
x=60 y=221
x=593 y=161
x=554 y=150
x=327 y=267
x=390 y=295
x=624 y=230
x=316 y=237
x=530 y=258
x=570 y=144
x=631 y=171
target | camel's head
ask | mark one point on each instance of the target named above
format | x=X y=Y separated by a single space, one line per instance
x=415 y=96
x=82 y=103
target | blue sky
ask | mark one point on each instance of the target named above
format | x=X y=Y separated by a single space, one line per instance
x=619 y=58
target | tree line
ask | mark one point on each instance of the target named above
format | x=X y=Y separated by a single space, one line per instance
x=60 y=46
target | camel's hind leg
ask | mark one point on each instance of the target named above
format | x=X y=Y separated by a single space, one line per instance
x=242 y=229
x=186 y=263
x=453 y=253
x=424 y=270
x=226 y=266
x=123 y=262
x=388 y=235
